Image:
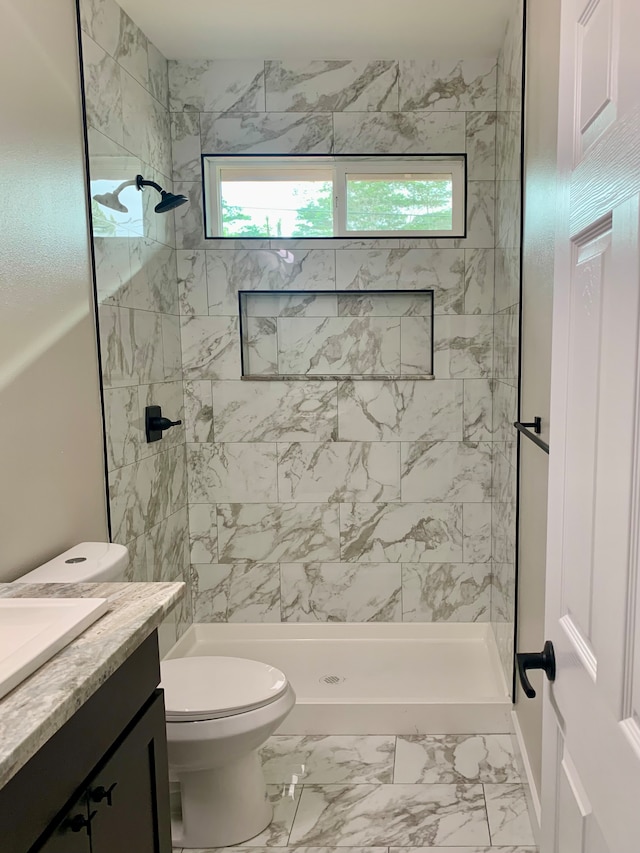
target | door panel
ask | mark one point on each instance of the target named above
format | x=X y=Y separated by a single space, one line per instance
x=591 y=776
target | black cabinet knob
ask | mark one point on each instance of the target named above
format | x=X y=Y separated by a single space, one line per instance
x=101 y=793
x=544 y=660
x=79 y=822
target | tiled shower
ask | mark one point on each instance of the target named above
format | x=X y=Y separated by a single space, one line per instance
x=322 y=500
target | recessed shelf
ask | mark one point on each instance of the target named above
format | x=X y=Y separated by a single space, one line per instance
x=336 y=334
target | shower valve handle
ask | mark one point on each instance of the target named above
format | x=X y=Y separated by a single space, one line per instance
x=155 y=424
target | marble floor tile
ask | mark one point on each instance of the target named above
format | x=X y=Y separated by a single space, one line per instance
x=325 y=760
x=244 y=849
x=508 y=815
x=341 y=815
x=461 y=850
x=285 y=799
x=455 y=758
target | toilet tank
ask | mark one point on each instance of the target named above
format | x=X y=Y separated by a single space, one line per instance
x=89 y=562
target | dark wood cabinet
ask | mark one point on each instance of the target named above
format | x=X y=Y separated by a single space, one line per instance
x=100 y=784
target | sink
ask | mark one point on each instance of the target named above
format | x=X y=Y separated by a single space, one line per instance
x=32 y=630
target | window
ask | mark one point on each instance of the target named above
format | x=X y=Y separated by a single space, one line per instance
x=298 y=197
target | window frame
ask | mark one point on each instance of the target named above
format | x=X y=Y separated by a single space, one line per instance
x=341 y=167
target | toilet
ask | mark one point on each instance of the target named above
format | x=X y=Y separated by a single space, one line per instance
x=219 y=712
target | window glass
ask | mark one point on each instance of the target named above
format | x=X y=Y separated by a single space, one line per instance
x=399 y=202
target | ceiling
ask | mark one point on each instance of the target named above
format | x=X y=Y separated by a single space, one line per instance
x=321 y=29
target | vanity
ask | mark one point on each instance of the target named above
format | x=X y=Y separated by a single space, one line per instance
x=83 y=765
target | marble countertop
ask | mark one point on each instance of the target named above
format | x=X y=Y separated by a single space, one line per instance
x=43 y=703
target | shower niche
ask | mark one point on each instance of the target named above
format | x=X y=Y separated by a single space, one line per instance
x=338 y=334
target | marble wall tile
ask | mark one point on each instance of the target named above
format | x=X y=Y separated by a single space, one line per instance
x=446 y=471
x=481 y=214
x=508 y=815
x=331 y=86
x=101 y=20
x=446 y=592
x=114 y=283
x=399 y=133
x=509 y=144
x=477 y=533
x=131 y=344
x=506 y=343
x=339 y=345
x=169 y=396
x=263 y=304
x=267 y=133
x=503 y=592
x=510 y=61
x=398 y=533
x=481 y=146
x=463 y=347
x=504 y=474
x=242 y=592
x=132 y=51
x=265 y=269
x=322 y=760
x=122 y=428
x=275 y=411
x=153 y=275
x=478 y=410
x=192 y=282
x=504 y=634
x=203 y=533
x=341 y=592
x=339 y=471
x=198 y=411
x=394 y=814
x=503 y=532
x=217 y=85
x=168 y=547
x=505 y=411
x=158 y=75
x=508 y=214
x=260 y=346
x=479 y=281
x=286 y=532
x=406 y=269
x=137 y=570
x=189 y=220
x=433 y=759
x=416 y=345
x=507 y=286
x=232 y=473
x=185 y=146
x=408 y=305
x=102 y=90
x=143 y=494
x=171 y=347
x=465 y=84
x=400 y=411
x=211 y=348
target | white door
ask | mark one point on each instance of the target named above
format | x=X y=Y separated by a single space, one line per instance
x=591 y=775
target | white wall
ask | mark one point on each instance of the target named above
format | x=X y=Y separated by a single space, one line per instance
x=539 y=224
x=52 y=491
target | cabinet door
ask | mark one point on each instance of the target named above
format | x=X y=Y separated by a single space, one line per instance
x=131 y=791
x=72 y=835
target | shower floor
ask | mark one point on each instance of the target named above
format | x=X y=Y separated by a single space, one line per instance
x=373 y=678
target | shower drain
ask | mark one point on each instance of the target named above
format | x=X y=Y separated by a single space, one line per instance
x=331 y=679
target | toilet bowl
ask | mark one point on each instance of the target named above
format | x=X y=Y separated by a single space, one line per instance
x=220 y=711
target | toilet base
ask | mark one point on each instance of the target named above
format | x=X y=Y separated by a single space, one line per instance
x=223 y=806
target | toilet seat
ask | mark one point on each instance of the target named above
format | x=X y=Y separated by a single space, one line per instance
x=214 y=687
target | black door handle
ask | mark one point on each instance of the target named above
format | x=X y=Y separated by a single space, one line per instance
x=79 y=822
x=544 y=660
x=102 y=793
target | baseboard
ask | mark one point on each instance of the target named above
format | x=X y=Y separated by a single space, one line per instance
x=533 y=799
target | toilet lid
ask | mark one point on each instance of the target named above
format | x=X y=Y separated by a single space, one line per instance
x=205 y=688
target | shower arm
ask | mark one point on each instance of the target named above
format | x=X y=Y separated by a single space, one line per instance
x=141 y=183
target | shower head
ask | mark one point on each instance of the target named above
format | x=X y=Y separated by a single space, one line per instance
x=168 y=201
x=111 y=199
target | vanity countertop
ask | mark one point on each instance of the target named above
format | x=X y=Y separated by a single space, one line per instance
x=43 y=703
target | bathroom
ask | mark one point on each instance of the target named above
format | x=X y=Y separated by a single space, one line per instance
x=333 y=490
